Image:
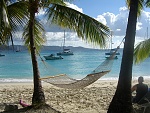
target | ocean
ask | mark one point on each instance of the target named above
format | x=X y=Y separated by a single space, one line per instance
x=17 y=66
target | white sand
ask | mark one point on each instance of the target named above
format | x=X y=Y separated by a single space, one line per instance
x=92 y=99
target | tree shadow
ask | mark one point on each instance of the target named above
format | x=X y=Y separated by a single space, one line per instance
x=44 y=108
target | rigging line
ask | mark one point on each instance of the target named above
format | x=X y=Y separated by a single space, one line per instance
x=42 y=59
x=47 y=65
x=121 y=42
x=113 y=55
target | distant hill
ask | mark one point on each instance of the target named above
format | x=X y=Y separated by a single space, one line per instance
x=59 y=48
x=22 y=47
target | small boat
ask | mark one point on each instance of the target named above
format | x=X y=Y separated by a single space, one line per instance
x=65 y=51
x=116 y=57
x=112 y=51
x=1 y=55
x=18 y=49
x=52 y=57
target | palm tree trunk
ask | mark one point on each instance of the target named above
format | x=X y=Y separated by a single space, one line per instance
x=38 y=94
x=121 y=102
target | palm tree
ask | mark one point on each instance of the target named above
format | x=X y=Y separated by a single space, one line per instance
x=86 y=27
x=121 y=102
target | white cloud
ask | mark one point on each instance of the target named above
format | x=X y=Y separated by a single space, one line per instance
x=74 y=7
x=57 y=38
x=138 y=26
x=110 y=17
x=118 y=29
x=116 y=22
x=122 y=9
x=101 y=19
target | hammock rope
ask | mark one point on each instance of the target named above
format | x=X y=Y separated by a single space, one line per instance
x=63 y=81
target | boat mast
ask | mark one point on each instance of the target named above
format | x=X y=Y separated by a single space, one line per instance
x=111 y=41
x=64 y=41
x=147 y=32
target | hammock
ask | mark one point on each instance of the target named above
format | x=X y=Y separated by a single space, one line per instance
x=63 y=81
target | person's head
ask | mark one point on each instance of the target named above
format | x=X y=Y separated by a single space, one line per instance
x=140 y=79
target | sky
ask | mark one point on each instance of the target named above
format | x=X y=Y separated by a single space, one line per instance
x=113 y=14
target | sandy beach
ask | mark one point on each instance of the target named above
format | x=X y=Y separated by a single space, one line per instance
x=92 y=99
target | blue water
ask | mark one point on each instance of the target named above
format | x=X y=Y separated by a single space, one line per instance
x=17 y=66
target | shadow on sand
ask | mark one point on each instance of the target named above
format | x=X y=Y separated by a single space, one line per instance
x=30 y=109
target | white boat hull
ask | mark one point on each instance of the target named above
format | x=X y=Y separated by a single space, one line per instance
x=64 y=53
x=53 y=57
x=1 y=55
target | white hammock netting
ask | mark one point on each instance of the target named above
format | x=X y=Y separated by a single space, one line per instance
x=64 y=81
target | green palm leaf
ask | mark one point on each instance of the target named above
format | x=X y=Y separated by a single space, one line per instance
x=39 y=38
x=46 y=3
x=140 y=6
x=147 y=3
x=18 y=15
x=86 y=27
x=13 y=17
x=142 y=51
x=5 y=28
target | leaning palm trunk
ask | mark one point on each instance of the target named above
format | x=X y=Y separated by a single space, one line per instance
x=121 y=102
x=38 y=94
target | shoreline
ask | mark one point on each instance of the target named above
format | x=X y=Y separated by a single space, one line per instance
x=30 y=80
x=94 y=98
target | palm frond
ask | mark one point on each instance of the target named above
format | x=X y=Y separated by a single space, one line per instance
x=147 y=3
x=13 y=17
x=46 y=3
x=4 y=14
x=140 y=6
x=5 y=28
x=142 y=51
x=18 y=15
x=86 y=27
x=39 y=38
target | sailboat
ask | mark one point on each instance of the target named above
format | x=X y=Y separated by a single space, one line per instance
x=52 y=57
x=65 y=51
x=1 y=55
x=112 y=50
x=18 y=49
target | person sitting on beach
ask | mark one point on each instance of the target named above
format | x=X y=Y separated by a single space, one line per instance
x=140 y=88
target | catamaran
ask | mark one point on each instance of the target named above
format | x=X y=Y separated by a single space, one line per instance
x=65 y=51
x=111 y=52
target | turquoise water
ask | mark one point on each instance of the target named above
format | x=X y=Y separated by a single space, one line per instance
x=17 y=67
